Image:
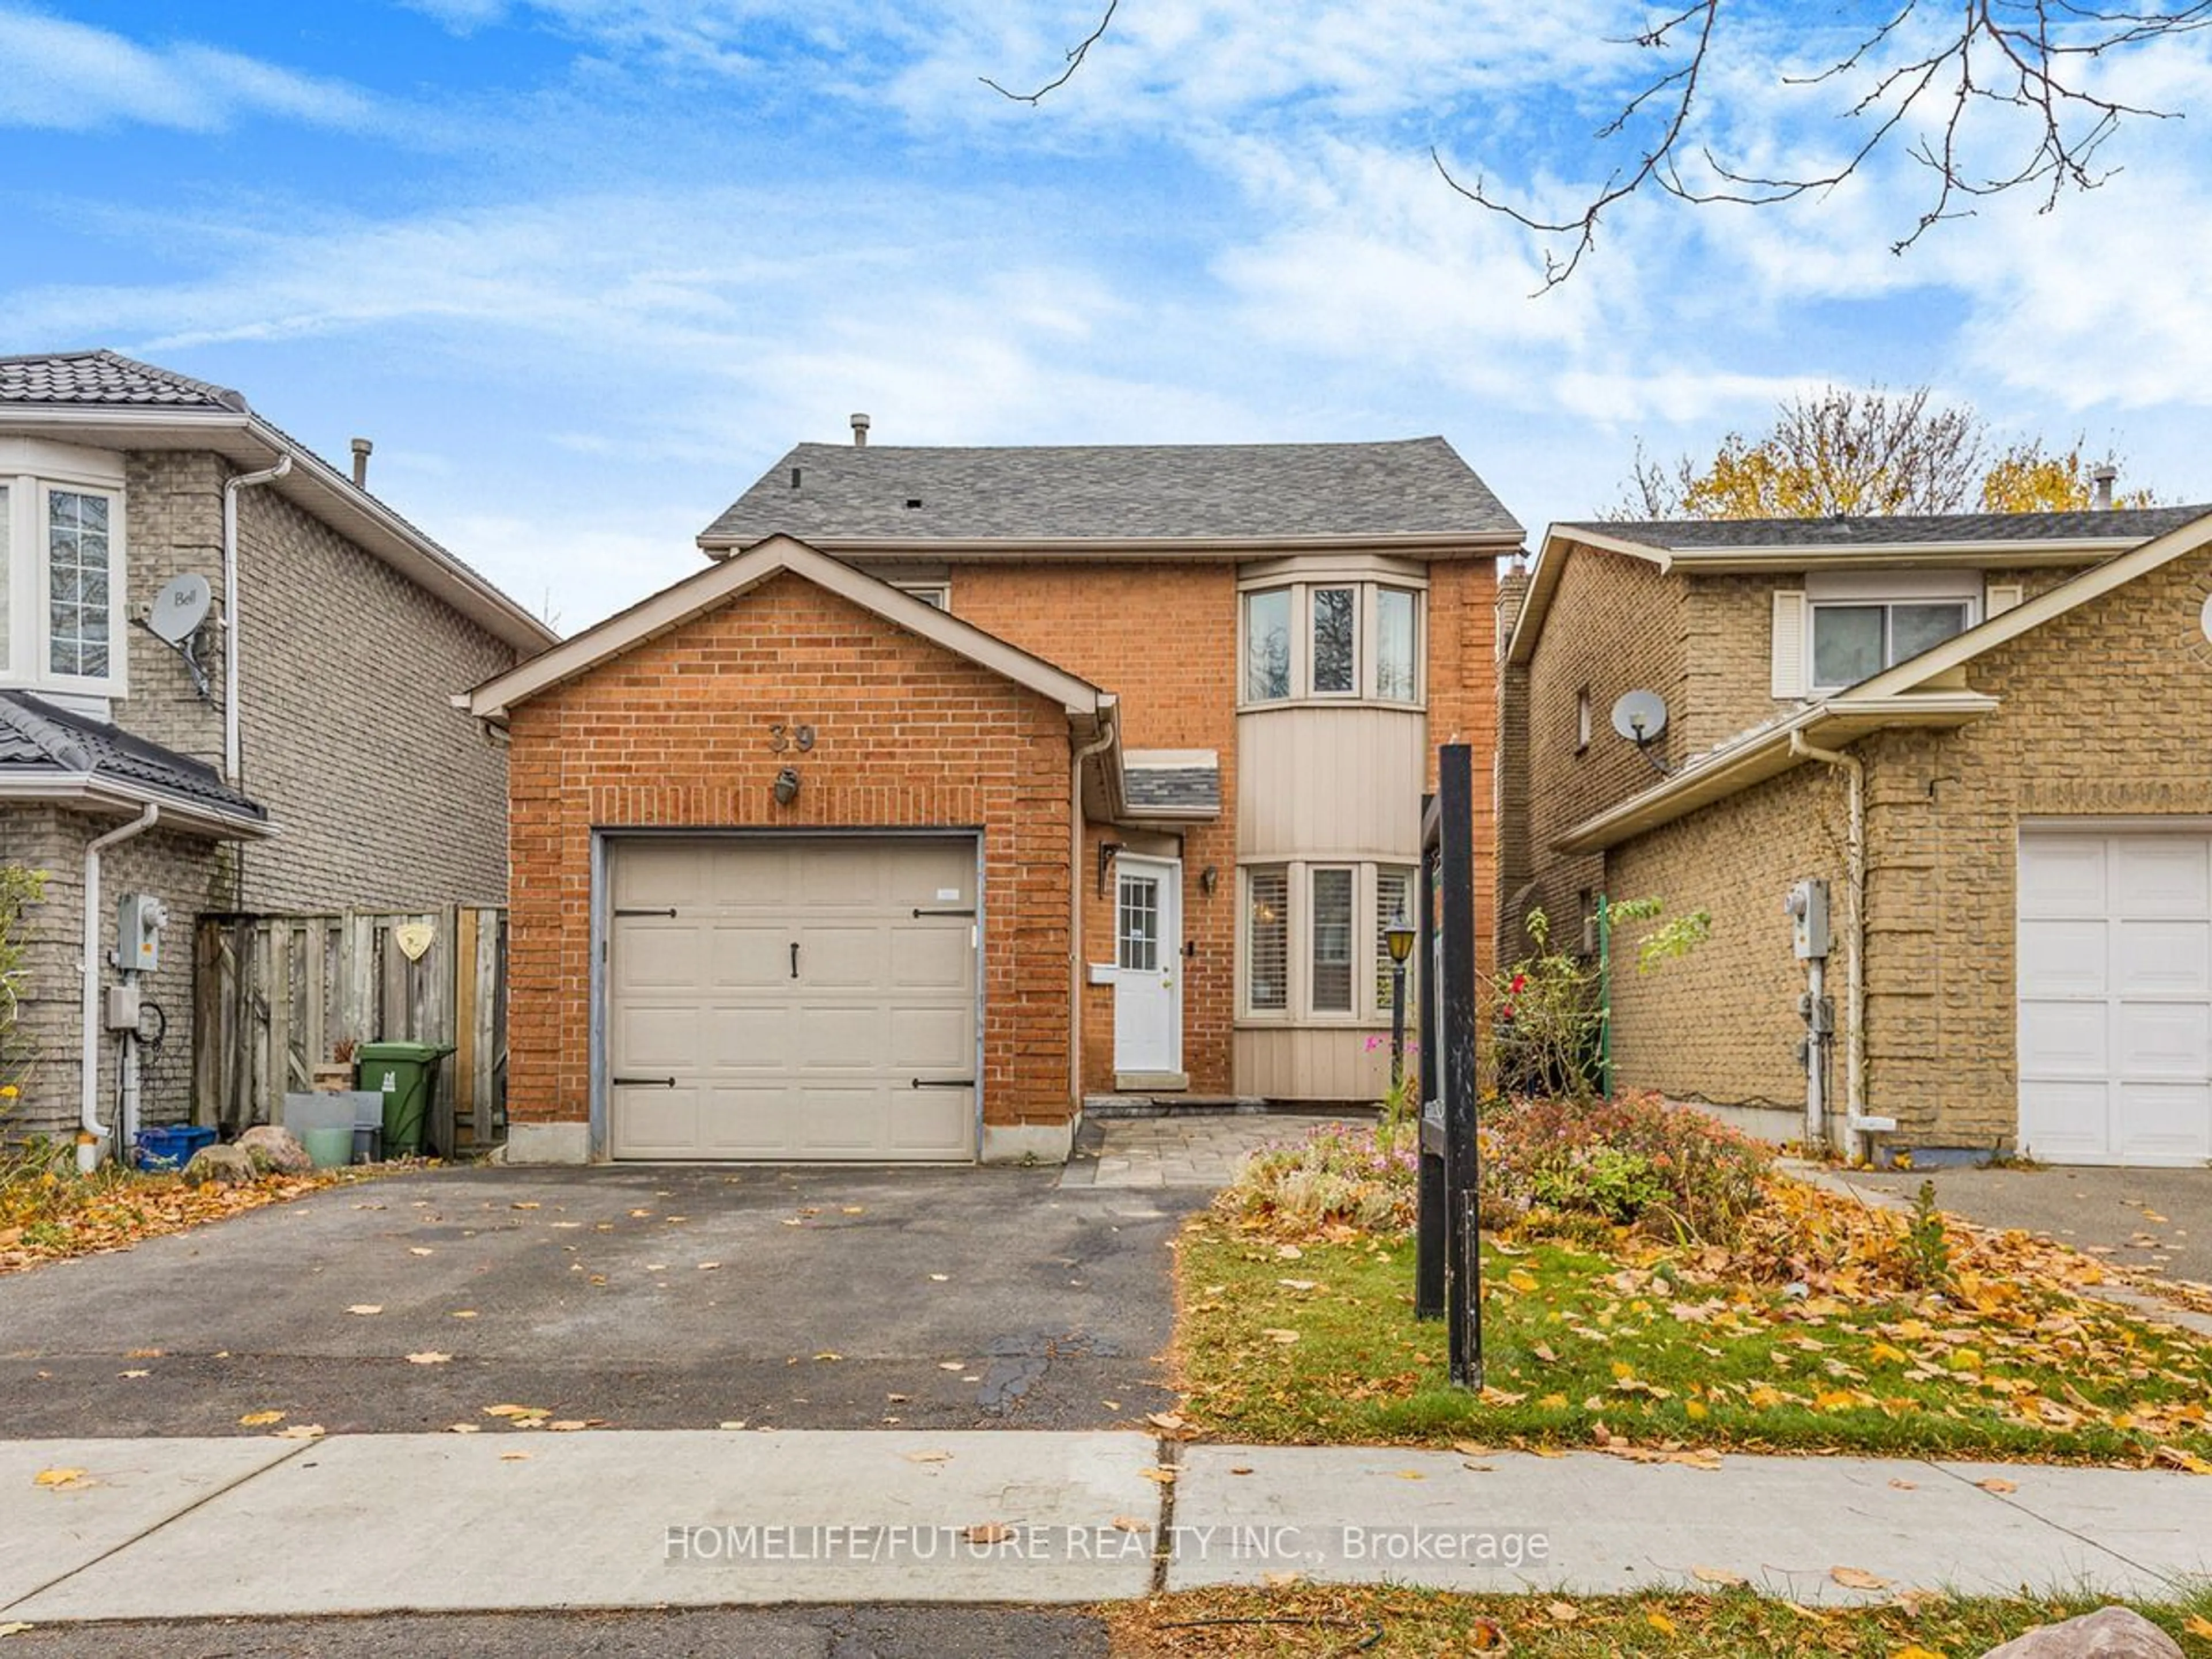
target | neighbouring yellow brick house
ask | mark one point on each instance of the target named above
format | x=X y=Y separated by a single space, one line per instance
x=1991 y=735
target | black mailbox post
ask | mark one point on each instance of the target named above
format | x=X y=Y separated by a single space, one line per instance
x=1448 y=1275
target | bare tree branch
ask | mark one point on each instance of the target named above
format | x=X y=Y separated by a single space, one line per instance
x=1075 y=57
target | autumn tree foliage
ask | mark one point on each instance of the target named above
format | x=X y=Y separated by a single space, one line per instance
x=1867 y=453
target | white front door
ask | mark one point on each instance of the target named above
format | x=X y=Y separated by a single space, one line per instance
x=1147 y=965
x=2116 y=996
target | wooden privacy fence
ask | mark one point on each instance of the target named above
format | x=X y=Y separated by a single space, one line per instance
x=274 y=995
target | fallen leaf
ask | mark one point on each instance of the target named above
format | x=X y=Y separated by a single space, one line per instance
x=1858 y=1578
x=365 y=1308
x=827 y=1355
x=1660 y=1622
x=1915 y=1651
x=1566 y=1612
x=512 y=1456
x=1469 y=1448
x=16 y=1627
x=734 y=1423
x=532 y=1204
x=952 y=1365
x=1906 y=1485
x=1131 y=1523
x=988 y=1532
x=464 y=1313
x=929 y=1457
x=1486 y=1635
x=2197 y=1625
x=1159 y=1477
x=302 y=1431
x=1999 y=1484
x=1289 y=1253
x=1718 y=1576
x=134 y=1373
x=1240 y=1468
x=1493 y=1395
x=60 y=1478
x=1168 y=1422
x=940 y=1278
x=708 y=1266
x=259 y=1419
x=430 y=1357
x=420 y=1250
x=1280 y=1336
x=1299 y=1284
x=567 y=1426
x=464 y=1428
x=143 y=1353
x=514 y=1410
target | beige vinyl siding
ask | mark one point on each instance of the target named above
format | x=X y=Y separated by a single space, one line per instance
x=1318 y=783
x=1310 y=1063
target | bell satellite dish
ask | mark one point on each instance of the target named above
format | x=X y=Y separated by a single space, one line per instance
x=1640 y=716
x=179 y=608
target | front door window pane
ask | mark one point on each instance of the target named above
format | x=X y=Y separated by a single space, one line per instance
x=1138 y=926
x=77 y=583
x=1914 y=629
x=1394 y=646
x=1846 y=643
x=1267 y=646
x=1267 y=939
x=1335 y=627
x=1332 y=941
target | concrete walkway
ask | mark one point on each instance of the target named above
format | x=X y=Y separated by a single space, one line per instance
x=1192 y=1149
x=514 y=1520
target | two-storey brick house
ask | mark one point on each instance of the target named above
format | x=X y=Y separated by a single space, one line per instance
x=1991 y=735
x=967 y=783
x=300 y=752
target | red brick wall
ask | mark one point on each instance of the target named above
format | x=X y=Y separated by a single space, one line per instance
x=1463 y=706
x=1163 y=638
x=675 y=733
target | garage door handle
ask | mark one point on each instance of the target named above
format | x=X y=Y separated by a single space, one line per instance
x=942 y=1083
x=922 y=910
x=645 y=1082
x=669 y=912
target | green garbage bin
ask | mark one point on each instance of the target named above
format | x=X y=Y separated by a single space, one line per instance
x=401 y=1073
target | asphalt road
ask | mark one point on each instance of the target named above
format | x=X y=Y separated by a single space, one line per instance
x=644 y=1297
x=719 y=1633
x=2160 y=1219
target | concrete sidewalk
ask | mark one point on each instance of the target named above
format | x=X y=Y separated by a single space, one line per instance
x=512 y=1521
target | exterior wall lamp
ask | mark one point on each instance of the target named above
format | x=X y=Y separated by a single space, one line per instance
x=787 y=786
x=1208 y=879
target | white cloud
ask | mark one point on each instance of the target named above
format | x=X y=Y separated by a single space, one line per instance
x=72 y=75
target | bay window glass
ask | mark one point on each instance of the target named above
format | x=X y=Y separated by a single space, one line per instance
x=1394 y=646
x=1332 y=941
x=1335 y=636
x=1267 y=645
x=7 y=575
x=1268 y=939
x=76 y=584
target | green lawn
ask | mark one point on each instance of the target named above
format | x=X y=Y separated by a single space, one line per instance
x=1317 y=1343
x=1732 y=1624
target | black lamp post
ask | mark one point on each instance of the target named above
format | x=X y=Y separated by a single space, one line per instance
x=1399 y=936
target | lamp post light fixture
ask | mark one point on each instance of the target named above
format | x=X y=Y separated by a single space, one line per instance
x=1399 y=936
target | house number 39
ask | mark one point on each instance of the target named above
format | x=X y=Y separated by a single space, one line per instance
x=781 y=737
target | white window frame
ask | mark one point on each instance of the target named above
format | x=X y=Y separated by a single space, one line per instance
x=31 y=471
x=1886 y=588
x=1366 y=637
x=938 y=593
x=1370 y=956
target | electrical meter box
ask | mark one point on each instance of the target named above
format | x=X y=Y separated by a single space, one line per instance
x=139 y=919
x=1806 y=904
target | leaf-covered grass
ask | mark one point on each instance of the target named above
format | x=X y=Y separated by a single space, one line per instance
x=1316 y=1619
x=1317 y=1343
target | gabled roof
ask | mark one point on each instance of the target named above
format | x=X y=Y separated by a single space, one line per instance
x=1731 y=546
x=1930 y=689
x=50 y=753
x=110 y=401
x=1084 y=497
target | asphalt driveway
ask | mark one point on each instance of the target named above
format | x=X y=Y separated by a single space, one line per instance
x=2159 y=1219
x=644 y=1297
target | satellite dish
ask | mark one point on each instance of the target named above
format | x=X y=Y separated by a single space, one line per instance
x=179 y=609
x=1640 y=716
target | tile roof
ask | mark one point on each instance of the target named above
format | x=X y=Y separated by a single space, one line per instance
x=108 y=378
x=1900 y=529
x=38 y=737
x=1088 y=492
x=1170 y=791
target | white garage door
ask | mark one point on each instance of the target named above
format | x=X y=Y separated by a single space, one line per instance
x=808 y=1000
x=2116 y=997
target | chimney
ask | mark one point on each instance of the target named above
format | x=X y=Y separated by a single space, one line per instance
x=361 y=448
x=2100 y=499
x=860 y=432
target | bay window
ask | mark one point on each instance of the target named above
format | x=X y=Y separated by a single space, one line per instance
x=1312 y=946
x=60 y=572
x=1351 y=640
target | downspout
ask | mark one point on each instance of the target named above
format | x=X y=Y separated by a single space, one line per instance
x=88 y=1092
x=1098 y=747
x=1853 y=771
x=230 y=607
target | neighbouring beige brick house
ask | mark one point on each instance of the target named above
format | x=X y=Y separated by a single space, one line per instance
x=314 y=762
x=2008 y=716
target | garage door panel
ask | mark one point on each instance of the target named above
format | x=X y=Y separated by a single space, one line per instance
x=2166 y=1123
x=2062 y=959
x=2115 y=1009
x=2156 y=876
x=2065 y=1122
x=2169 y=957
x=2065 y=1039
x=2063 y=876
x=652 y=956
x=813 y=1067
x=922 y=956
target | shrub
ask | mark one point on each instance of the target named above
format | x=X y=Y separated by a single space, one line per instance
x=1631 y=1161
x=1340 y=1176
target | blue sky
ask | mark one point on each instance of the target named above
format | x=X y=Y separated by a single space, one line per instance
x=584 y=268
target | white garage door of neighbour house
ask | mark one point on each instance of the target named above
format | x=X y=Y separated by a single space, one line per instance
x=799 y=999
x=2115 y=946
